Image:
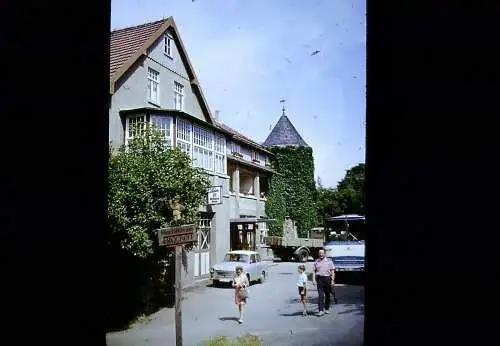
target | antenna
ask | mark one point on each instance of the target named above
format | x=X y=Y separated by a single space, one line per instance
x=283 y=103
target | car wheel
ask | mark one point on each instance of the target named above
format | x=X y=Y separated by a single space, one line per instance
x=262 y=277
x=249 y=281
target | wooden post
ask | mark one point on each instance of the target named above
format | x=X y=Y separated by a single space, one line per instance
x=178 y=295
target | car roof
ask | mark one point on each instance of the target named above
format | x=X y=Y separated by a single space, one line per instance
x=242 y=252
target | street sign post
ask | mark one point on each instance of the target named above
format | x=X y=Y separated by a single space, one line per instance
x=170 y=237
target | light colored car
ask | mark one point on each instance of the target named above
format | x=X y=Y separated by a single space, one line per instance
x=254 y=268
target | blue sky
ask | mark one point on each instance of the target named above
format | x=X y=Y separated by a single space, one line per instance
x=249 y=55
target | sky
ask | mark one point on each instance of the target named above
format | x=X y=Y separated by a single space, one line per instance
x=249 y=55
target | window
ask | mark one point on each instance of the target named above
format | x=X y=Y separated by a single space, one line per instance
x=184 y=131
x=255 y=156
x=169 y=42
x=178 y=96
x=203 y=148
x=153 y=86
x=235 y=148
x=220 y=157
x=164 y=124
x=135 y=125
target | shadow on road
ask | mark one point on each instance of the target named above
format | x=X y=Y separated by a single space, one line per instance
x=298 y=313
x=357 y=309
x=346 y=295
x=235 y=319
x=350 y=278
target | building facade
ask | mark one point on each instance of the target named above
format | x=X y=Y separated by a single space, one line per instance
x=152 y=80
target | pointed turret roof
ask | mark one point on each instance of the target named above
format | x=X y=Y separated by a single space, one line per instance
x=284 y=134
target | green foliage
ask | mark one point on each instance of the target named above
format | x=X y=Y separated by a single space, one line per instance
x=292 y=190
x=347 y=198
x=142 y=179
x=245 y=340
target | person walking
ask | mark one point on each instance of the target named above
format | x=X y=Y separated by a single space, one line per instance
x=324 y=278
x=302 y=286
x=240 y=284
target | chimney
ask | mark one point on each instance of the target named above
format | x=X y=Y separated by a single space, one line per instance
x=217 y=116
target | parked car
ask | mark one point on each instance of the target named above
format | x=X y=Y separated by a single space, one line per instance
x=254 y=268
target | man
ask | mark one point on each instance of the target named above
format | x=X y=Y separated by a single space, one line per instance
x=324 y=278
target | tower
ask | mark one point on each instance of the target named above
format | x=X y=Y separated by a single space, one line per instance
x=293 y=188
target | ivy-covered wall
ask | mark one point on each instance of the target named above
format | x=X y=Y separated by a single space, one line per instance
x=292 y=190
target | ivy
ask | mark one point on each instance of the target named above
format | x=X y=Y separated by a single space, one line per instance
x=292 y=190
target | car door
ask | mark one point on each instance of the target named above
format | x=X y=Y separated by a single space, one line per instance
x=260 y=264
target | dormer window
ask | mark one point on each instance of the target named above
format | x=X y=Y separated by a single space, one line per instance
x=169 y=42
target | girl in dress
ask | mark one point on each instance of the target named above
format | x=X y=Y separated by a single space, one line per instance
x=240 y=284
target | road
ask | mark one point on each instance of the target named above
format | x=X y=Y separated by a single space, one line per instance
x=273 y=313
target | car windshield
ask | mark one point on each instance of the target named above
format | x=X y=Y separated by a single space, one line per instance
x=235 y=257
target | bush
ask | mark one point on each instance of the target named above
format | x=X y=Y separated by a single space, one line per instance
x=245 y=340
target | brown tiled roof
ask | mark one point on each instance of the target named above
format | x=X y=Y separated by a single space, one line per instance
x=125 y=42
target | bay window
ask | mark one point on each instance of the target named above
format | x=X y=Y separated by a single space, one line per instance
x=184 y=134
x=164 y=125
x=136 y=125
x=203 y=142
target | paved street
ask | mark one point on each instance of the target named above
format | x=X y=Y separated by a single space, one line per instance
x=273 y=313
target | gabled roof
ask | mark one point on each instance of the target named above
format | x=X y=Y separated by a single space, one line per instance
x=129 y=44
x=284 y=134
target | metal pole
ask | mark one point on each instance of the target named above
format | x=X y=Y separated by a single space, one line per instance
x=178 y=295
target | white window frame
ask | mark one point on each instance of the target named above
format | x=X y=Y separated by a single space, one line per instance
x=168 y=43
x=153 y=77
x=184 y=128
x=254 y=155
x=179 y=96
x=150 y=119
x=236 y=148
x=167 y=137
x=220 y=153
x=128 y=137
x=200 y=135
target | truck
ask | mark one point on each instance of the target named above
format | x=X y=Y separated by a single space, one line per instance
x=290 y=246
x=345 y=242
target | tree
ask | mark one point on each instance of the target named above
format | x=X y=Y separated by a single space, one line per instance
x=347 y=198
x=142 y=179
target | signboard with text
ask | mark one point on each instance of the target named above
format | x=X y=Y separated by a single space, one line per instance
x=215 y=195
x=179 y=235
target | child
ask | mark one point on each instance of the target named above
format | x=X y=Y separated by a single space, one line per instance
x=301 y=284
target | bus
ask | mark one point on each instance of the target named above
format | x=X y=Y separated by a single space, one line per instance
x=345 y=242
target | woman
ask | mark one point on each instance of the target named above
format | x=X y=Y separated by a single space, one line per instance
x=240 y=284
